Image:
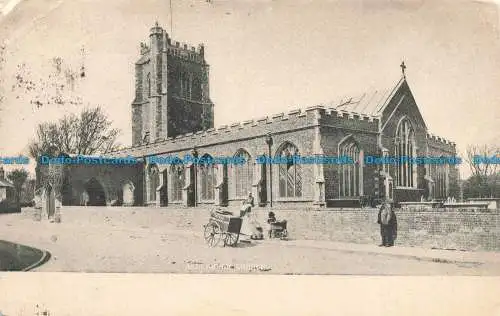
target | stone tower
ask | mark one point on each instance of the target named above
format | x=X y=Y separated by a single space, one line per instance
x=171 y=90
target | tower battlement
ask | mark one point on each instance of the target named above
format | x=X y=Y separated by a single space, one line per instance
x=160 y=41
x=172 y=94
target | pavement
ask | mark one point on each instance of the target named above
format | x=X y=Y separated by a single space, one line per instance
x=148 y=241
x=434 y=255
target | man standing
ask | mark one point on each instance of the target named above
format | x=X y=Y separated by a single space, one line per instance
x=388 y=224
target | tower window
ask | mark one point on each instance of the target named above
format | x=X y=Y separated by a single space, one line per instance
x=185 y=86
x=148 y=84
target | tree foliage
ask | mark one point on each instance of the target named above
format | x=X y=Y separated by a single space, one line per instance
x=18 y=178
x=477 y=187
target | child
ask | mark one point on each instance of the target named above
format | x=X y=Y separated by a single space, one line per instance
x=271 y=219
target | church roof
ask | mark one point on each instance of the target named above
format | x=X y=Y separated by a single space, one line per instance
x=371 y=102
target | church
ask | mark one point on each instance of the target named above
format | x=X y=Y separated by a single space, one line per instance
x=172 y=115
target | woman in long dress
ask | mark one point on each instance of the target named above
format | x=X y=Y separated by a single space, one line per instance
x=249 y=224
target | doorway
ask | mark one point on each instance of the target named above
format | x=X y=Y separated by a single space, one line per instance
x=97 y=196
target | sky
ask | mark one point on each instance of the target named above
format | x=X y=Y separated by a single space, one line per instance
x=266 y=57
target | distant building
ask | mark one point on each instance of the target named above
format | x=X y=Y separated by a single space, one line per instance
x=172 y=115
x=8 y=201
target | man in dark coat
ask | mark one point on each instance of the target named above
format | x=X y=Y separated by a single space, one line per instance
x=388 y=225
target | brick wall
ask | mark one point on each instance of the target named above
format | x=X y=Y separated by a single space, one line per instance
x=463 y=230
x=444 y=229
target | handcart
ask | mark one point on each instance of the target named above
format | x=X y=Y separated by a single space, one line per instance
x=222 y=225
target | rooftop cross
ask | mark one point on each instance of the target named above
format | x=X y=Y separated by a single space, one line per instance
x=403 y=68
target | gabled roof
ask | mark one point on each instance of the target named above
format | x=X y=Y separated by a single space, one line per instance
x=372 y=102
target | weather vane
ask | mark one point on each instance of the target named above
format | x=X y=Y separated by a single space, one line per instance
x=403 y=68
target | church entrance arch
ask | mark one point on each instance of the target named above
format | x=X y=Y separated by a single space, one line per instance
x=96 y=194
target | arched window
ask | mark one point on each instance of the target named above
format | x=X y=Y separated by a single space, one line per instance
x=185 y=85
x=177 y=180
x=243 y=174
x=207 y=180
x=404 y=151
x=196 y=93
x=182 y=86
x=439 y=175
x=351 y=175
x=290 y=173
x=154 y=181
x=148 y=84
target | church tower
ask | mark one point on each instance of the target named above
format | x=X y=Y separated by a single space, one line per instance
x=171 y=90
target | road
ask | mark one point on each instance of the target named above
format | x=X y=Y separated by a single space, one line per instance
x=110 y=245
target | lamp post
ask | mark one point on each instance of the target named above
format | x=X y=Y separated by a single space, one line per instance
x=269 y=142
x=194 y=153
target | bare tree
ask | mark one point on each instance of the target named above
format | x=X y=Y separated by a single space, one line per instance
x=477 y=165
x=89 y=133
x=483 y=181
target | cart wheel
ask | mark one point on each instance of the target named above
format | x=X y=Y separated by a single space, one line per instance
x=212 y=234
x=231 y=239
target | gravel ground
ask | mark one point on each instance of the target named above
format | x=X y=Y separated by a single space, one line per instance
x=152 y=241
